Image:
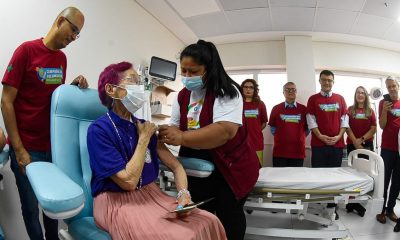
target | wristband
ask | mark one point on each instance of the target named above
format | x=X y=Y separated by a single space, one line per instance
x=181 y=192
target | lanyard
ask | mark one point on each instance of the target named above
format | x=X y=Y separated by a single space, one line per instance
x=126 y=156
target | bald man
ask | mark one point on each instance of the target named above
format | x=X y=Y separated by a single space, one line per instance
x=35 y=70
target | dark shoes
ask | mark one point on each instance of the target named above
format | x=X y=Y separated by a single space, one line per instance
x=392 y=216
x=381 y=218
x=356 y=207
x=397 y=227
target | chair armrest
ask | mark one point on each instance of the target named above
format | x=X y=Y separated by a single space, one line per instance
x=196 y=167
x=4 y=156
x=58 y=195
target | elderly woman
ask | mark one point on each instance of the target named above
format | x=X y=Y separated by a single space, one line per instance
x=124 y=154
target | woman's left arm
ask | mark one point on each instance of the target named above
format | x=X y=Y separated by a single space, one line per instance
x=370 y=133
x=176 y=167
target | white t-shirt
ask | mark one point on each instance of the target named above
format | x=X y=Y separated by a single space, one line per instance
x=225 y=109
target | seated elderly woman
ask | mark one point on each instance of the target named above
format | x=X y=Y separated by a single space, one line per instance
x=124 y=153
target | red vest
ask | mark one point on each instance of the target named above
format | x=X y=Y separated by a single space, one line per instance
x=236 y=160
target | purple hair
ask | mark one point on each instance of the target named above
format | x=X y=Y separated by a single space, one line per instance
x=111 y=75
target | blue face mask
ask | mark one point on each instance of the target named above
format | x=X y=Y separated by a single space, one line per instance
x=193 y=83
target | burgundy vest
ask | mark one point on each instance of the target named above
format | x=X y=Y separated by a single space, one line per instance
x=236 y=160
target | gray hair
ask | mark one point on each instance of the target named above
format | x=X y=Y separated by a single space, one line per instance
x=288 y=83
x=392 y=78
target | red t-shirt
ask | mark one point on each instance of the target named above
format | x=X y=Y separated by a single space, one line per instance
x=327 y=111
x=255 y=115
x=391 y=130
x=361 y=124
x=290 y=136
x=36 y=72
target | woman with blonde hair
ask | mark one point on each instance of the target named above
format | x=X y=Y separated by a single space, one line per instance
x=362 y=121
x=360 y=135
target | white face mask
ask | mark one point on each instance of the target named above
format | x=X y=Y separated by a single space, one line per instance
x=135 y=97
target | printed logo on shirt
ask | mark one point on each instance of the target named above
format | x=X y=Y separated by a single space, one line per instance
x=291 y=118
x=10 y=68
x=334 y=107
x=193 y=117
x=395 y=112
x=251 y=113
x=50 y=75
x=360 y=116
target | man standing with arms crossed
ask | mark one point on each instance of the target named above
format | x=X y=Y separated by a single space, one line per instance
x=35 y=70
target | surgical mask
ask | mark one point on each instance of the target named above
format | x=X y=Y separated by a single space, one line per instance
x=135 y=97
x=193 y=83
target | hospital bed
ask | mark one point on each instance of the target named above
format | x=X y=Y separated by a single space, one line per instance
x=305 y=192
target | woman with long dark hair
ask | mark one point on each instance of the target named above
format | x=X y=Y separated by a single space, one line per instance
x=256 y=116
x=207 y=122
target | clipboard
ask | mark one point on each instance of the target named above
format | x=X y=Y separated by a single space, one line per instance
x=191 y=206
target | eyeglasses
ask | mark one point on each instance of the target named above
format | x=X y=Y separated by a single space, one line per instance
x=248 y=87
x=133 y=79
x=75 y=29
x=326 y=80
x=291 y=90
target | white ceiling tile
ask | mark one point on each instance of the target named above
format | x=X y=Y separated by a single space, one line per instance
x=250 y=20
x=189 y=8
x=350 y=5
x=371 y=26
x=378 y=8
x=240 y=4
x=210 y=25
x=293 y=3
x=292 y=18
x=393 y=33
x=343 y=20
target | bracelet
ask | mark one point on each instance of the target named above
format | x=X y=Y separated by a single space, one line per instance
x=183 y=191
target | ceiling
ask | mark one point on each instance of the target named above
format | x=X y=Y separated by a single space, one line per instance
x=365 y=22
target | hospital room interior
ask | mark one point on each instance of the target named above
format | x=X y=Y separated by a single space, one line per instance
x=314 y=84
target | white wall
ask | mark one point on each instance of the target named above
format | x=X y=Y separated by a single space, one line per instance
x=252 y=55
x=356 y=58
x=114 y=31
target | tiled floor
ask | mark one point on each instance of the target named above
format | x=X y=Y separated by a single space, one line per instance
x=360 y=228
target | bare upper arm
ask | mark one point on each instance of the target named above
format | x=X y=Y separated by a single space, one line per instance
x=229 y=128
x=9 y=94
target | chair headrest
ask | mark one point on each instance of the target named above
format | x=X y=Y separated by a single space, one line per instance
x=71 y=101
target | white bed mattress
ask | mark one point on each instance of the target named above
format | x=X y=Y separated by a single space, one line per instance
x=315 y=178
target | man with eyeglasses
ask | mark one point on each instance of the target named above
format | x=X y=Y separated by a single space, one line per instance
x=289 y=127
x=328 y=120
x=35 y=70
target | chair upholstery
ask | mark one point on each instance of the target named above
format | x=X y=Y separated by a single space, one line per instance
x=72 y=111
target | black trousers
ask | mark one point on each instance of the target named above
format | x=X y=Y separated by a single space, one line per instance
x=228 y=209
x=287 y=162
x=367 y=146
x=326 y=156
x=391 y=160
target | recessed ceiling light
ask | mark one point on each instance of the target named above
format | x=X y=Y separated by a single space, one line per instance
x=398 y=19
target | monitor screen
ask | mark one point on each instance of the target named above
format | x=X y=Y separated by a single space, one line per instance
x=161 y=68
